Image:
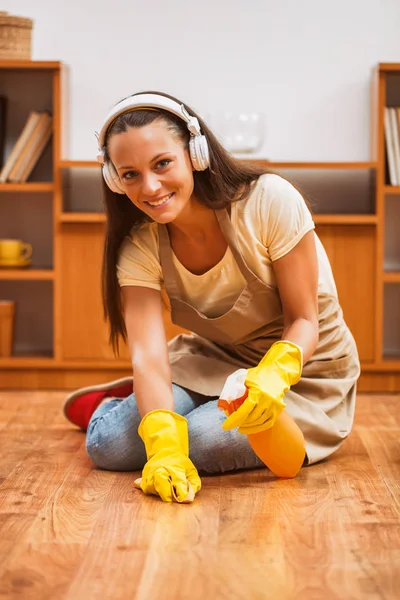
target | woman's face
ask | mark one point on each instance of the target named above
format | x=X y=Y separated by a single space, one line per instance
x=155 y=170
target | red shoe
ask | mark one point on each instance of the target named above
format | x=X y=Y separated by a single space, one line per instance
x=81 y=404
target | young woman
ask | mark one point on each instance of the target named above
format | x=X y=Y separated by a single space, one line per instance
x=234 y=248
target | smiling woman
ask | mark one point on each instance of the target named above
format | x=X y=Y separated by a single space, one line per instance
x=234 y=247
x=130 y=143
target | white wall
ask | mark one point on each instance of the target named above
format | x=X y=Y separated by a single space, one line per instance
x=306 y=63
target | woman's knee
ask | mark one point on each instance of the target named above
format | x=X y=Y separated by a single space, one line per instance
x=214 y=450
x=115 y=453
x=112 y=440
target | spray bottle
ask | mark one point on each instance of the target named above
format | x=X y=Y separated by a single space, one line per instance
x=281 y=447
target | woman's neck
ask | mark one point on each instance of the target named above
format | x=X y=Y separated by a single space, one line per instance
x=198 y=223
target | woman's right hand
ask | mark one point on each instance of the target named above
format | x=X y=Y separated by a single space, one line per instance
x=169 y=472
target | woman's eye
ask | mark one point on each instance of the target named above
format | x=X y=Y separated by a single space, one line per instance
x=164 y=162
x=129 y=175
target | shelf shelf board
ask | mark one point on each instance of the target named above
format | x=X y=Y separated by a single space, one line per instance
x=27 y=187
x=384 y=67
x=334 y=166
x=68 y=164
x=386 y=365
x=30 y=64
x=74 y=217
x=29 y=361
x=392 y=189
x=390 y=363
x=391 y=277
x=27 y=274
x=320 y=219
x=36 y=361
x=345 y=219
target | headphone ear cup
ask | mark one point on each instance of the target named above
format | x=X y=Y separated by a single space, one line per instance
x=111 y=178
x=199 y=153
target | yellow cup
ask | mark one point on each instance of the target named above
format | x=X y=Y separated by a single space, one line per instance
x=14 y=250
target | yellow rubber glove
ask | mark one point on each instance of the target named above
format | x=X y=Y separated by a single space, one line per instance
x=169 y=472
x=267 y=384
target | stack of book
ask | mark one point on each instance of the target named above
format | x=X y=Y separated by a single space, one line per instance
x=28 y=148
x=392 y=139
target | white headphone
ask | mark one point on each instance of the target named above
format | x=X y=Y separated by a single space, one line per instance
x=198 y=146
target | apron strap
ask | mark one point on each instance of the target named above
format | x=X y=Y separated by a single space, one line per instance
x=167 y=266
x=229 y=234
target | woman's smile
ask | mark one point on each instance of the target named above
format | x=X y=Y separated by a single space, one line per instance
x=161 y=202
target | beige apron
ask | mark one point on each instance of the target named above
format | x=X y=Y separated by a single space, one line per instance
x=322 y=402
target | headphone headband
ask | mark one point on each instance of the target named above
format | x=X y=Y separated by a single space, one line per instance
x=149 y=101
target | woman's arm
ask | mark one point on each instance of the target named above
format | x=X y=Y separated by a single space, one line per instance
x=297 y=278
x=147 y=341
x=168 y=472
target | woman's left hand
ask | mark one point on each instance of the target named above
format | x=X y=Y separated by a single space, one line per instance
x=267 y=383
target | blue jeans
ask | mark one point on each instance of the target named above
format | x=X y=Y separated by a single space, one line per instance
x=113 y=442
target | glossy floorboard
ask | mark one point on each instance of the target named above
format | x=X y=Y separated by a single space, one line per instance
x=69 y=531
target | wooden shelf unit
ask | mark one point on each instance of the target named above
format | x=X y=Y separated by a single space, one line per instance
x=386 y=92
x=30 y=210
x=349 y=218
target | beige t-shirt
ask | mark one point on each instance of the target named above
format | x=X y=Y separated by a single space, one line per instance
x=268 y=224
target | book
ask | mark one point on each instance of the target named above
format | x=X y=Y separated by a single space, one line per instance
x=29 y=126
x=390 y=147
x=396 y=143
x=3 y=126
x=36 y=154
x=397 y=111
x=30 y=148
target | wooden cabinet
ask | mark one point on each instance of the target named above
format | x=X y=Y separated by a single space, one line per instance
x=351 y=251
x=61 y=339
x=83 y=335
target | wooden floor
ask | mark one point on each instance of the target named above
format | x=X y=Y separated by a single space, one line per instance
x=69 y=531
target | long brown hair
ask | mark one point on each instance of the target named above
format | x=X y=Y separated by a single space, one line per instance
x=227 y=180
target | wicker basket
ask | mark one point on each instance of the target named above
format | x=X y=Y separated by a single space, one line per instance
x=15 y=37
